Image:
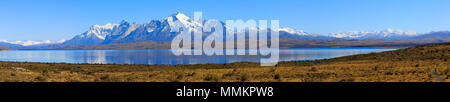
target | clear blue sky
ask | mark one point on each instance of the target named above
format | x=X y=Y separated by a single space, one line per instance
x=63 y=19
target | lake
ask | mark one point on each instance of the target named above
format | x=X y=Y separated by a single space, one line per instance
x=165 y=57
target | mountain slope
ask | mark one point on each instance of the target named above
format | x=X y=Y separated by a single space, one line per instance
x=94 y=36
x=6 y=45
x=434 y=37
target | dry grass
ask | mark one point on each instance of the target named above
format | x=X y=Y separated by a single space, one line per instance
x=418 y=64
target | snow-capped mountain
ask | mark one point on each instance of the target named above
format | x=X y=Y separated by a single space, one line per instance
x=32 y=43
x=292 y=31
x=156 y=30
x=8 y=45
x=299 y=34
x=389 y=34
x=94 y=36
x=159 y=30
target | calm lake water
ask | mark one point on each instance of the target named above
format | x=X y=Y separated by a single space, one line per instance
x=160 y=56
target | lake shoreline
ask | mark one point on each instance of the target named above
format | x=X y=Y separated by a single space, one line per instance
x=166 y=56
x=405 y=65
x=387 y=47
x=238 y=49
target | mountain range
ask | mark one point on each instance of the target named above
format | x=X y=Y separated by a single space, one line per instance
x=159 y=31
x=155 y=30
x=391 y=34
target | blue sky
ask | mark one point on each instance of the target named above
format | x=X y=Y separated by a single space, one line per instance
x=63 y=19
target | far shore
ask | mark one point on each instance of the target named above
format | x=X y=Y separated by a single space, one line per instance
x=381 y=47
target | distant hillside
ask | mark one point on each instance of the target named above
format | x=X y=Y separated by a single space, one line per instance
x=4 y=45
x=431 y=52
x=132 y=45
x=340 y=43
x=420 y=53
x=434 y=37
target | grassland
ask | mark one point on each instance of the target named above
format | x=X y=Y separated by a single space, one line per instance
x=5 y=49
x=416 y=64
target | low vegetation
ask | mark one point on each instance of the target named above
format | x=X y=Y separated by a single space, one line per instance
x=416 y=64
x=4 y=49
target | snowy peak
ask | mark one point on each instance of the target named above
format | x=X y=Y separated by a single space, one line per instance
x=99 y=31
x=290 y=33
x=31 y=43
x=400 y=32
x=295 y=32
x=390 y=34
x=179 y=16
x=185 y=20
x=124 y=29
x=107 y=26
x=95 y=35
